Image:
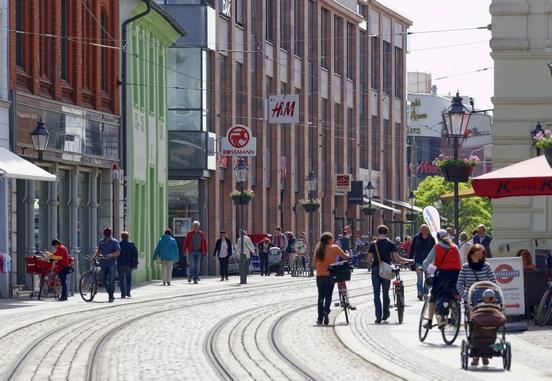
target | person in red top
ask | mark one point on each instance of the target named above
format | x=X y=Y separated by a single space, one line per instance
x=194 y=248
x=63 y=264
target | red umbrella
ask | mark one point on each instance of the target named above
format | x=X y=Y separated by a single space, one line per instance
x=531 y=177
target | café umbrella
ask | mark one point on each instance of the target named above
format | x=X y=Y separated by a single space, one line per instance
x=531 y=177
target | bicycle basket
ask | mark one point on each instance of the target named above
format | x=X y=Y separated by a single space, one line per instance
x=340 y=271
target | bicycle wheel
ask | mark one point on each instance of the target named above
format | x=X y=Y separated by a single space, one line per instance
x=544 y=312
x=452 y=323
x=423 y=331
x=55 y=287
x=400 y=305
x=88 y=286
x=345 y=305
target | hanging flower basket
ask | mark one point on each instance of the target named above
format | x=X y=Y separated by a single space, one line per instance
x=310 y=205
x=410 y=216
x=548 y=155
x=543 y=140
x=456 y=170
x=238 y=199
x=368 y=210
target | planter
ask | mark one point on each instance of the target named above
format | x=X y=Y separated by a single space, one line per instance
x=548 y=155
x=369 y=211
x=311 y=207
x=241 y=200
x=457 y=173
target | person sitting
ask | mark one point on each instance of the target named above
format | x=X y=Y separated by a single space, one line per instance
x=488 y=296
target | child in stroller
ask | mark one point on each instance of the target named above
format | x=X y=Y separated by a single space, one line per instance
x=275 y=260
x=484 y=323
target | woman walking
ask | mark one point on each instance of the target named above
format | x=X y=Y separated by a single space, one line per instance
x=382 y=250
x=325 y=254
x=263 y=249
x=223 y=249
x=464 y=246
x=167 y=251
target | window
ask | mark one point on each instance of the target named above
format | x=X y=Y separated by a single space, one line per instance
x=375 y=63
x=387 y=59
x=241 y=96
x=364 y=139
x=399 y=74
x=387 y=158
x=46 y=42
x=284 y=35
x=223 y=98
x=64 y=42
x=325 y=37
x=87 y=33
x=103 y=51
x=238 y=11
x=225 y=7
x=324 y=167
x=298 y=25
x=350 y=51
x=350 y=140
x=400 y=163
x=375 y=143
x=270 y=16
x=338 y=138
x=19 y=17
x=153 y=85
x=338 y=45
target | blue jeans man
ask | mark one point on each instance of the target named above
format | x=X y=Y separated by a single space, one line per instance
x=125 y=280
x=380 y=285
x=63 y=279
x=195 y=261
x=420 y=282
x=107 y=276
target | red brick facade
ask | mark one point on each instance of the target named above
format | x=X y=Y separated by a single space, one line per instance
x=58 y=54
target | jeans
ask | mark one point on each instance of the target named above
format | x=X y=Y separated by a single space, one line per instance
x=223 y=267
x=125 y=279
x=263 y=257
x=195 y=260
x=107 y=276
x=63 y=279
x=380 y=285
x=420 y=283
x=325 y=287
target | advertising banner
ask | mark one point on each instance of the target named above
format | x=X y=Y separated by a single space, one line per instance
x=283 y=109
x=356 y=195
x=432 y=219
x=509 y=275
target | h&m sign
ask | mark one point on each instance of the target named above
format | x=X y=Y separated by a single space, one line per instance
x=283 y=109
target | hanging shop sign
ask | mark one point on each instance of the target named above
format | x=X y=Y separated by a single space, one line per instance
x=239 y=141
x=283 y=109
x=343 y=183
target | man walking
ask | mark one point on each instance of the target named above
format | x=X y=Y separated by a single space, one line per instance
x=109 y=249
x=127 y=261
x=195 y=247
x=419 y=250
x=279 y=239
x=483 y=239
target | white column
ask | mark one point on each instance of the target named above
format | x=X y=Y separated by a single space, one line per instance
x=53 y=208
x=93 y=207
x=73 y=212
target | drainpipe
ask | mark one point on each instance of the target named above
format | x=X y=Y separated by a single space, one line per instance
x=122 y=83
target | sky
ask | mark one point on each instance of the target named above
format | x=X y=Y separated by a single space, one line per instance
x=434 y=53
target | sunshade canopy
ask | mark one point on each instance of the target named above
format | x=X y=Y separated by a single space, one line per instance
x=382 y=206
x=531 y=177
x=16 y=167
x=406 y=205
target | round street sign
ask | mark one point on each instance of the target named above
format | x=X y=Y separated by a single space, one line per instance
x=505 y=273
x=238 y=136
x=239 y=141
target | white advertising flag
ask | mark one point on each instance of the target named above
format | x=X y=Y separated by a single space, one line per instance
x=433 y=220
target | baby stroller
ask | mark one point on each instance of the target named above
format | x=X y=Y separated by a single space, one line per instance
x=275 y=260
x=485 y=325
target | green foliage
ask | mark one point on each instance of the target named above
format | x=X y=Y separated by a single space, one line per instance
x=472 y=211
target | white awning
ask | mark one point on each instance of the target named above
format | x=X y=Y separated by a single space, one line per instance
x=406 y=205
x=16 y=167
x=380 y=205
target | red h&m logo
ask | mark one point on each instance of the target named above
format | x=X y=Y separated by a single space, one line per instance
x=283 y=108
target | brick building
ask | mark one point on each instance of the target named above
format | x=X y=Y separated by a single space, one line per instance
x=347 y=64
x=64 y=65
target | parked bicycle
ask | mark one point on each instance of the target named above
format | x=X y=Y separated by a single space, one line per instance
x=90 y=280
x=448 y=322
x=340 y=272
x=398 y=294
x=544 y=311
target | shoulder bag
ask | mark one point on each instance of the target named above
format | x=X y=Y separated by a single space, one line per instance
x=385 y=269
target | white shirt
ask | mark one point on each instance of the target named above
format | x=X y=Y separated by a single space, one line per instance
x=248 y=247
x=223 y=253
x=464 y=249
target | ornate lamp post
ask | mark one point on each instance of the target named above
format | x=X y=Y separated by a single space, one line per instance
x=537 y=130
x=39 y=138
x=370 y=190
x=241 y=171
x=411 y=200
x=455 y=120
x=312 y=185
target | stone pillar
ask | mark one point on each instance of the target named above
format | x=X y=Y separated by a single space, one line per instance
x=74 y=217
x=53 y=209
x=4 y=214
x=29 y=218
x=93 y=208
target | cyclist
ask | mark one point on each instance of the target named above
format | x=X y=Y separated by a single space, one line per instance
x=63 y=265
x=326 y=253
x=448 y=262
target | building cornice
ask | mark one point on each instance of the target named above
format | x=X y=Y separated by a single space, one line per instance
x=390 y=12
x=509 y=9
x=512 y=101
x=5 y=104
x=498 y=43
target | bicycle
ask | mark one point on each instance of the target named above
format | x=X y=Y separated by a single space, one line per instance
x=544 y=311
x=340 y=272
x=90 y=280
x=448 y=323
x=50 y=283
x=398 y=294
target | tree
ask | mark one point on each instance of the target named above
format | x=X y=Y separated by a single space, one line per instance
x=472 y=210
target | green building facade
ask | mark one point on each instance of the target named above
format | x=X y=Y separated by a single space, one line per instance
x=147 y=41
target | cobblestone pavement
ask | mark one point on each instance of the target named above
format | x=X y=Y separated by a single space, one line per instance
x=221 y=330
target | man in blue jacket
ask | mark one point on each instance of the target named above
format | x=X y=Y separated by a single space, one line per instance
x=126 y=262
x=167 y=251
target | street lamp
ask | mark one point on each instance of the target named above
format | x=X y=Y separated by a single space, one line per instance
x=312 y=185
x=411 y=200
x=39 y=138
x=537 y=130
x=455 y=120
x=370 y=191
x=240 y=171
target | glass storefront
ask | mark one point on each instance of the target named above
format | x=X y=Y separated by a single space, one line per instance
x=183 y=205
